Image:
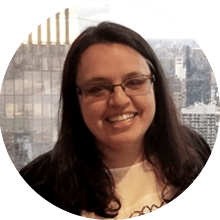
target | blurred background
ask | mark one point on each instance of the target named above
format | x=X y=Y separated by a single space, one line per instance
x=30 y=90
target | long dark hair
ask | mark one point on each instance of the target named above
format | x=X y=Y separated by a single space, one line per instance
x=82 y=180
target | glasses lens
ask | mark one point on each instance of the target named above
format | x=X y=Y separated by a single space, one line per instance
x=96 y=90
x=137 y=86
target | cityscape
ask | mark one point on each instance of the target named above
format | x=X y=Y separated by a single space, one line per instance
x=30 y=90
x=193 y=85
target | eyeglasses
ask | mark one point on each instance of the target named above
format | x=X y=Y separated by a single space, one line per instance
x=139 y=85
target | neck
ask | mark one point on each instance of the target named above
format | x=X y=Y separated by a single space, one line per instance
x=123 y=155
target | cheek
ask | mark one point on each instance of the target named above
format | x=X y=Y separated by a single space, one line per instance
x=92 y=113
x=152 y=105
x=148 y=107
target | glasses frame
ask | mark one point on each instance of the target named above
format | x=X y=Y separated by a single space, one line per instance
x=112 y=86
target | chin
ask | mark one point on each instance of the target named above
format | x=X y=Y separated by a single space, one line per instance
x=123 y=140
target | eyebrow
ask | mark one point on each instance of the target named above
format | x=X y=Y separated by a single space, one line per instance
x=104 y=79
x=96 y=79
x=132 y=74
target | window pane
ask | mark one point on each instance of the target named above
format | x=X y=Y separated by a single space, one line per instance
x=45 y=63
x=9 y=110
x=46 y=83
x=9 y=86
x=55 y=63
x=55 y=104
x=55 y=82
x=37 y=82
x=28 y=84
x=37 y=110
x=28 y=110
x=18 y=86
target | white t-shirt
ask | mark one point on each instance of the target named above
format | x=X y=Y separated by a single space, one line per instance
x=137 y=189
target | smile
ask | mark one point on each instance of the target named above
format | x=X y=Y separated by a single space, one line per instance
x=121 y=118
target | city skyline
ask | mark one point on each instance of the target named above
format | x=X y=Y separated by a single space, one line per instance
x=30 y=91
x=86 y=14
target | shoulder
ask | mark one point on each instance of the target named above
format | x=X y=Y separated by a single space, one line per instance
x=42 y=176
x=36 y=167
x=39 y=175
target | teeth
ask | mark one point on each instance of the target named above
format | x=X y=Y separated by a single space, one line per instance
x=121 y=117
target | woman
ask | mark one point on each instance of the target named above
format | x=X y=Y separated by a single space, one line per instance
x=122 y=150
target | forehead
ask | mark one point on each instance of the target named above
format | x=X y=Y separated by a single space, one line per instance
x=110 y=61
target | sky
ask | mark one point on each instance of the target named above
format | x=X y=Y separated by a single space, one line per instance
x=148 y=22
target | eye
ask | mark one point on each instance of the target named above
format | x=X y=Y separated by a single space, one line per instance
x=97 y=90
x=135 y=83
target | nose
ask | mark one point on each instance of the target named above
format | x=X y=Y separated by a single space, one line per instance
x=119 y=98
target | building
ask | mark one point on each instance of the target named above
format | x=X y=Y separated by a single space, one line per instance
x=198 y=78
x=180 y=72
x=30 y=90
x=60 y=29
x=175 y=86
x=204 y=119
x=177 y=83
x=180 y=69
x=214 y=90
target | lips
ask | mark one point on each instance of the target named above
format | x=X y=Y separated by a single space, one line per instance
x=121 y=118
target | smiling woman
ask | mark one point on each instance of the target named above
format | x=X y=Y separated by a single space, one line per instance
x=121 y=150
x=119 y=120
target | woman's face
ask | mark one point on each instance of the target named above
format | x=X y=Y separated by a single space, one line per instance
x=119 y=120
